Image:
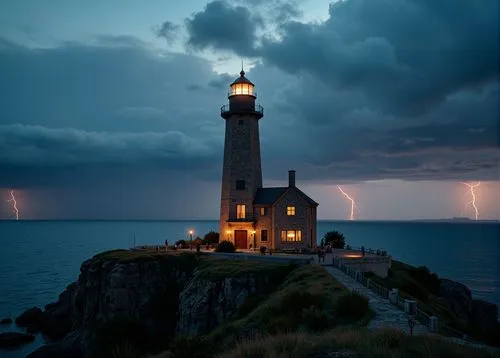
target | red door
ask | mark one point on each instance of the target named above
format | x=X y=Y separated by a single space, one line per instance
x=240 y=239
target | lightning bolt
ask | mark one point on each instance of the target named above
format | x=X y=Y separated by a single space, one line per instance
x=473 y=195
x=14 y=204
x=353 y=203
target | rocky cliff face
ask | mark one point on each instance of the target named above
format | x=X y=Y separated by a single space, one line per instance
x=204 y=303
x=166 y=295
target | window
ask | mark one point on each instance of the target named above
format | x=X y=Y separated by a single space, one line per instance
x=290 y=210
x=240 y=122
x=263 y=235
x=240 y=185
x=240 y=211
x=291 y=235
x=263 y=211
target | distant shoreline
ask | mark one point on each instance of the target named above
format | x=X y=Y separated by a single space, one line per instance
x=388 y=221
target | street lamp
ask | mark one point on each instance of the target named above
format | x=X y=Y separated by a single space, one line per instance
x=191 y=235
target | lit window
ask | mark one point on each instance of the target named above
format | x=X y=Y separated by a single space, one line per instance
x=290 y=210
x=263 y=211
x=291 y=235
x=240 y=211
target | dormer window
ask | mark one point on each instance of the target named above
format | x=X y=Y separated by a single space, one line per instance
x=290 y=210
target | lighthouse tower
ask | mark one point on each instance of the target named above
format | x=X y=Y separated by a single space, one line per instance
x=242 y=173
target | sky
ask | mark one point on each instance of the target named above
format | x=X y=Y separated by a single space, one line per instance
x=111 y=109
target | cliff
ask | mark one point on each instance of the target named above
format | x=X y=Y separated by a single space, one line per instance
x=146 y=299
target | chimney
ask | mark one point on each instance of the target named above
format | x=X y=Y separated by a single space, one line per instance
x=291 y=178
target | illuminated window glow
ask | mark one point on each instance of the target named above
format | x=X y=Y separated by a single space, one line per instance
x=291 y=235
x=263 y=211
x=290 y=210
x=240 y=211
x=241 y=88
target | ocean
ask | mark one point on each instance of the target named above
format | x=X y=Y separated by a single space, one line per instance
x=38 y=259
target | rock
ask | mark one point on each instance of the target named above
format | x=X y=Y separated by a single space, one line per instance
x=13 y=339
x=458 y=298
x=56 y=320
x=205 y=304
x=31 y=317
x=6 y=321
x=484 y=315
x=69 y=347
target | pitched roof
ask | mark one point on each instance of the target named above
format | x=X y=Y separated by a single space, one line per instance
x=267 y=196
x=308 y=199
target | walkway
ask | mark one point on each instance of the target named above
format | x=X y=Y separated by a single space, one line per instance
x=386 y=315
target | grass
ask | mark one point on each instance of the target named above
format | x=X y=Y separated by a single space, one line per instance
x=419 y=283
x=361 y=342
x=216 y=268
x=306 y=301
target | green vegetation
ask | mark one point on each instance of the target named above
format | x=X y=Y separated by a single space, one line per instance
x=306 y=300
x=214 y=268
x=335 y=239
x=210 y=238
x=423 y=285
x=359 y=342
x=226 y=246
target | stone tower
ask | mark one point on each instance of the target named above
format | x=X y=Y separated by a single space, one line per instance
x=241 y=173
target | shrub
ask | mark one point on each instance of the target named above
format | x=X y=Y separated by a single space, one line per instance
x=352 y=305
x=191 y=347
x=428 y=280
x=126 y=350
x=181 y=243
x=211 y=238
x=314 y=319
x=226 y=246
x=335 y=239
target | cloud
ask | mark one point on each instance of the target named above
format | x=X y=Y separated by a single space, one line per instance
x=120 y=106
x=168 y=30
x=221 y=26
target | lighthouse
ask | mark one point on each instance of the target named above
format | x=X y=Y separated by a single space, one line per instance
x=252 y=216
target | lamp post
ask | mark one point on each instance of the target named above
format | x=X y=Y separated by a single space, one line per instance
x=254 y=241
x=191 y=235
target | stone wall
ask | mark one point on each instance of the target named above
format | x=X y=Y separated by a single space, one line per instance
x=264 y=222
x=300 y=221
x=242 y=161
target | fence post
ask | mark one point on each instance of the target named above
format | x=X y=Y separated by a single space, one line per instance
x=433 y=326
x=394 y=296
x=410 y=306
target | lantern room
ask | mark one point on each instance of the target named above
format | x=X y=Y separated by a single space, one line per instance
x=242 y=99
x=242 y=86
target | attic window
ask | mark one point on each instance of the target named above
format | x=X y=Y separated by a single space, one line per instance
x=240 y=185
x=290 y=210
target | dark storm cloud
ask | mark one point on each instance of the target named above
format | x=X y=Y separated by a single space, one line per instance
x=224 y=27
x=405 y=56
x=114 y=102
x=168 y=30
